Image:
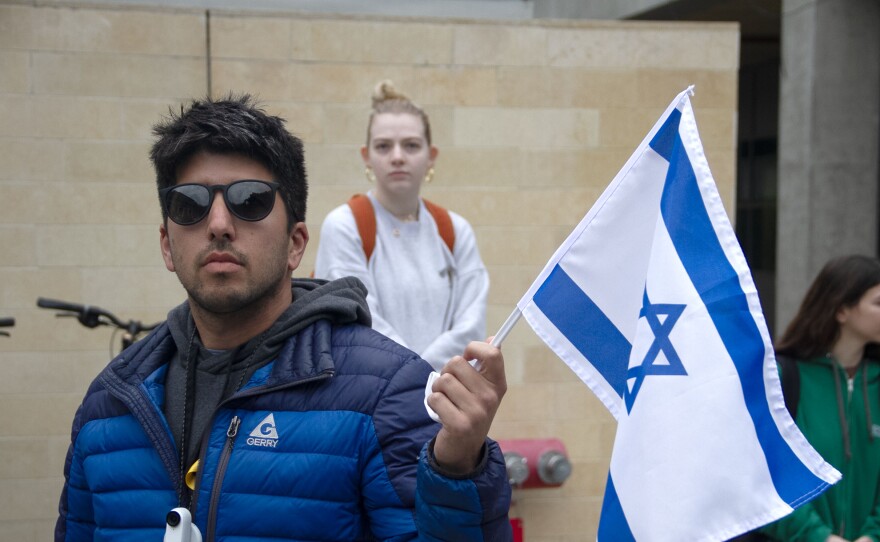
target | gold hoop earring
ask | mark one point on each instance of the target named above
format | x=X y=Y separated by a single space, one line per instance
x=371 y=177
x=429 y=176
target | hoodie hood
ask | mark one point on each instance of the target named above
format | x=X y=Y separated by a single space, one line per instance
x=341 y=301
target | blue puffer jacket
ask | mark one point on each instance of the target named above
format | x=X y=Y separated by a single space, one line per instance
x=320 y=444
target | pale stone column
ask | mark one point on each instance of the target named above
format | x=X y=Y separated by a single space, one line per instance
x=828 y=140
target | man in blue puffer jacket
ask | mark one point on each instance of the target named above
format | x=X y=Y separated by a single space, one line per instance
x=265 y=405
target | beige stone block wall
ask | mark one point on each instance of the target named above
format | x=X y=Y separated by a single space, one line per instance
x=532 y=119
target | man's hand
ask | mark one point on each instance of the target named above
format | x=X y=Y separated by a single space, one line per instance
x=466 y=400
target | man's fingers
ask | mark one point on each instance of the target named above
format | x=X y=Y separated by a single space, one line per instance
x=450 y=385
x=466 y=397
x=450 y=415
x=491 y=365
x=457 y=407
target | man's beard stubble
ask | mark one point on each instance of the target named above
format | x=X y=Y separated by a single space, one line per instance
x=253 y=294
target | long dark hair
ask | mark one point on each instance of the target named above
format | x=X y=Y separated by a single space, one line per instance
x=841 y=283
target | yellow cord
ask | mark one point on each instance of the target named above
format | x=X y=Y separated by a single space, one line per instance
x=191 y=476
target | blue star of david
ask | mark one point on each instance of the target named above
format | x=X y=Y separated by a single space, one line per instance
x=661 y=343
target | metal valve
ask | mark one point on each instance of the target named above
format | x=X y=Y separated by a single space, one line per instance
x=517 y=468
x=553 y=467
x=535 y=462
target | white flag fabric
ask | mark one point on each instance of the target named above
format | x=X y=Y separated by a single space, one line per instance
x=651 y=303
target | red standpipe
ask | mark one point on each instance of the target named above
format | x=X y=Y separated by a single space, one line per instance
x=517 y=525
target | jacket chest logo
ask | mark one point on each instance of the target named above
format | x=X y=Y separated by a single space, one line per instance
x=265 y=433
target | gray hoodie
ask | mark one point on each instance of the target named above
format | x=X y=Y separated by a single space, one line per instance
x=219 y=374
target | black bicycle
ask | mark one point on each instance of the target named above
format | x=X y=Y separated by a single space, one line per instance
x=6 y=322
x=91 y=316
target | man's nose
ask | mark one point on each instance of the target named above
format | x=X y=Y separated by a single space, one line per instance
x=220 y=220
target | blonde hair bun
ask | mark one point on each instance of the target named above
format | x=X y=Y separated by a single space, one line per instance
x=387 y=99
x=385 y=91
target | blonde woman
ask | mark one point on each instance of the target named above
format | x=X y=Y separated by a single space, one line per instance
x=420 y=263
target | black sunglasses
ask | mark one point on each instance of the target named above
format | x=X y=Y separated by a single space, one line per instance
x=250 y=200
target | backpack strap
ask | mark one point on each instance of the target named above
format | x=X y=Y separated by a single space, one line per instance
x=444 y=223
x=791 y=383
x=365 y=218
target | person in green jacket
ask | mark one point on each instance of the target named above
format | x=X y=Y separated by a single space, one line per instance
x=834 y=339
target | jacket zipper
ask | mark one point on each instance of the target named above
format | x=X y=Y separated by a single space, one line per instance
x=231 y=432
x=218 y=477
x=850 y=386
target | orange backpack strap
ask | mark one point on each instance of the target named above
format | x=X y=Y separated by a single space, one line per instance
x=365 y=218
x=444 y=223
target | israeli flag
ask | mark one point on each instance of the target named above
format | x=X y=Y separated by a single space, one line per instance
x=651 y=303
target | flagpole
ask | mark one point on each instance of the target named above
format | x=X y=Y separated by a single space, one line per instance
x=496 y=341
x=506 y=327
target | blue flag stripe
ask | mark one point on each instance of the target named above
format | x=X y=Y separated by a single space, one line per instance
x=585 y=326
x=612 y=523
x=703 y=257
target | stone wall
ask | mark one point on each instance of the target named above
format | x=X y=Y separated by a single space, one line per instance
x=532 y=119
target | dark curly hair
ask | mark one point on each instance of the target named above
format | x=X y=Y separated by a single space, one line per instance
x=841 y=283
x=234 y=124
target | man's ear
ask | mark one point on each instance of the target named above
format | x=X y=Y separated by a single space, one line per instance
x=165 y=245
x=296 y=247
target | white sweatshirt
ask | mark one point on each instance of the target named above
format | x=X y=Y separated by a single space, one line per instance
x=421 y=295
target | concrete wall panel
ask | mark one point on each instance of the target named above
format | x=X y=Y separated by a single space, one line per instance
x=829 y=136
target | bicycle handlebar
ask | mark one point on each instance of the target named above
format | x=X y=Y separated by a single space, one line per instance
x=46 y=303
x=87 y=315
x=6 y=322
x=91 y=316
